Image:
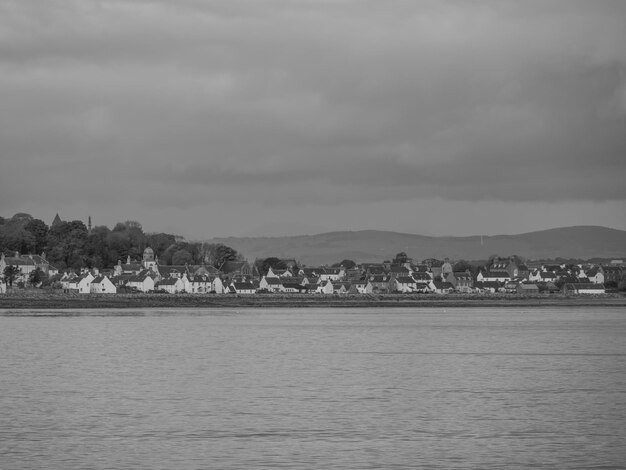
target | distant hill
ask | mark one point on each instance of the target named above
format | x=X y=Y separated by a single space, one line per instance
x=375 y=246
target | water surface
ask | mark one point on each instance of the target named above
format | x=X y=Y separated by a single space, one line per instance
x=300 y=389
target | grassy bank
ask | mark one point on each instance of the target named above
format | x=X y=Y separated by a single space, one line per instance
x=40 y=299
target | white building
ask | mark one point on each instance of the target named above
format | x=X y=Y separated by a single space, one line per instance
x=102 y=285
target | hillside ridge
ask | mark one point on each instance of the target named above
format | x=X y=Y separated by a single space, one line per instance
x=580 y=241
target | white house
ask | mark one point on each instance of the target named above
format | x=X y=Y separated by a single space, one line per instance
x=325 y=288
x=443 y=287
x=81 y=284
x=199 y=284
x=403 y=284
x=361 y=287
x=275 y=272
x=242 y=288
x=217 y=286
x=493 y=276
x=172 y=285
x=102 y=285
x=332 y=274
x=584 y=288
x=595 y=275
x=271 y=284
x=141 y=282
x=3 y=287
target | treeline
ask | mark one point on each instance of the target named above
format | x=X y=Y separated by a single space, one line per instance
x=69 y=244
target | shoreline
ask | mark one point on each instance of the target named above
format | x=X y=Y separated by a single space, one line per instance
x=56 y=301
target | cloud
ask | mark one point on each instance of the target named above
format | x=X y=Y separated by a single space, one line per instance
x=323 y=102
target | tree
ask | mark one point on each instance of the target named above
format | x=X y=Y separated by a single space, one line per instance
x=182 y=257
x=271 y=262
x=462 y=265
x=10 y=274
x=39 y=231
x=401 y=258
x=36 y=277
x=223 y=253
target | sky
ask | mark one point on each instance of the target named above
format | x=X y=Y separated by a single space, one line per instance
x=212 y=118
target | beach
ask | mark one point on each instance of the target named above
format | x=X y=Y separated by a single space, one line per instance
x=41 y=299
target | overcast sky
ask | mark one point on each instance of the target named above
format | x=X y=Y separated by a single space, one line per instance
x=281 y=117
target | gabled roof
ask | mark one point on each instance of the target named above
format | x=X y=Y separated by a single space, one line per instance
x=487 y=285
x=528 y=287
x=243 y=285
x=421 y=276
x=463 y=275
x=399 y=269
x=273 y=281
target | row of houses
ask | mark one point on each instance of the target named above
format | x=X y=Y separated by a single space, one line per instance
x=430 y=276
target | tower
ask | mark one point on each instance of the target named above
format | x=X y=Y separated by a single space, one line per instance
x=148 y=258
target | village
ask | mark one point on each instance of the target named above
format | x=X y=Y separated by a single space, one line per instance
x=399 y=276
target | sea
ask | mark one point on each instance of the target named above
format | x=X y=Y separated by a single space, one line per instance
x=457 y=388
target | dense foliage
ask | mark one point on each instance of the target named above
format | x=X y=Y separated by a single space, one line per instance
x=72 y=245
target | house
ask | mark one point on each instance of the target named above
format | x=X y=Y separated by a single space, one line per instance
x=142 y=282
x=197 y=284
x=548 y=276
x=374 y=270
x=493 y=276
x=547 y=287
x=361 y=287
x=527 y=288
x=463 y=281
x=165 y=272
x=595 y=275
x=523 y=271
x=171 y=285
x=399 y=270
x=130 y=267
x=487 y=287
x=341 y=288
x=510 y=287
x=310 y=281
x=102 y=285
x=217 y=286
x=290 y=287
x=332 y=274
x=3 y=287
x=242 y=288
x=325 y=288
x=504 y=265
x=583 y=288
x=421 y=276
x=446 y=268
x=27 y=263
x=271 y=284
x=612 y=273
x=278 y=273
x=443 y=287
x=380 y=283
x=403 y=284
x=80 y=284
x=424 y=288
